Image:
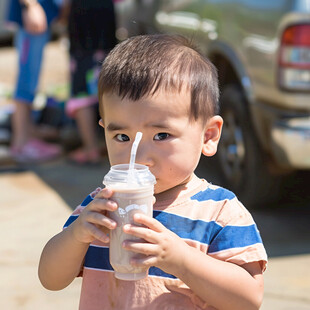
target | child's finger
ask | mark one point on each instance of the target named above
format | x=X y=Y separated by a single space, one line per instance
x=101 y=219
x=147 y=261
x=141 y=232
x=102 y=204
x=149 y=222
x=104 y=193
x=148 y=249
x=97 y=233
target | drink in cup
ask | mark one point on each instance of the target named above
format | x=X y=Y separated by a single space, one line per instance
x=133 y=188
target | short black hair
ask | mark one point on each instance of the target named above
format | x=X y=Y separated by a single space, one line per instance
x=141 y=65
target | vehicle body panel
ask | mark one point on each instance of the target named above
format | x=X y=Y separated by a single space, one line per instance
x=247 y=34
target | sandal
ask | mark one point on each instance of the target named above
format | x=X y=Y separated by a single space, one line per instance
x=35 y=151
x=84 y=157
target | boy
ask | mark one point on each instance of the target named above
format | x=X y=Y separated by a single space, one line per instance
x=202 y=245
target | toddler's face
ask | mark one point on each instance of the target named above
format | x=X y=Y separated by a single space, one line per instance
x=171 y=145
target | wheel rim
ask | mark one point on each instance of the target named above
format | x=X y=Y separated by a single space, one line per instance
x=232 y=148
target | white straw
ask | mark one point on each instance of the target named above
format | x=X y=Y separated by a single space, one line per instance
x=134 y=150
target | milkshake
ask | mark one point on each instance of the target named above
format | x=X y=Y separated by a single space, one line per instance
x=133 y=192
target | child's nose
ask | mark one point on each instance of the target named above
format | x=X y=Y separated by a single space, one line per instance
x=145 y=161
x=144 y=156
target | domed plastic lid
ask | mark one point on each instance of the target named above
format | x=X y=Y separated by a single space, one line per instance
x=120 y=174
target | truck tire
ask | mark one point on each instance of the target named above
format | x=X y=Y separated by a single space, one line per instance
x=240 y=160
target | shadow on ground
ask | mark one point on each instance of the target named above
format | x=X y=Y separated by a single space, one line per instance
x=284 y=226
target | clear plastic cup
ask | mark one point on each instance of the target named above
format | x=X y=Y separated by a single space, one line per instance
x=134 y=194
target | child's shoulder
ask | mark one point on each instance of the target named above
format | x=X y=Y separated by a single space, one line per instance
x=222 y=203
x=213 y=192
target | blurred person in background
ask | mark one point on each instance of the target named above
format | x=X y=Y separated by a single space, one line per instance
x=91 y=30
x=34 y=18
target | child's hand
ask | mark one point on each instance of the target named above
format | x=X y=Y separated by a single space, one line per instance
x=164 y=249
x=93 y=222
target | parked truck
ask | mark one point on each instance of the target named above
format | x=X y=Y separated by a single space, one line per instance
x=261 y=49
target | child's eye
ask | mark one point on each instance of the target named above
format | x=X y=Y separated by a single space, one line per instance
x=161 y=136
x=122 y=137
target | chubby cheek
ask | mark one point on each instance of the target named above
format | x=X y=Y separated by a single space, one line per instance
x=116 y=154
x=162 y=186
x=118 y=161
x=172 y=174
x=116 y=158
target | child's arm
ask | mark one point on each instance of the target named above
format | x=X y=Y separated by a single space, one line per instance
x=63 y=255
x=34 y=17
x=221 y=284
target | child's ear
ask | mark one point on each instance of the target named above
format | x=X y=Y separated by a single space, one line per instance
x=101 y=123
x=212 y=134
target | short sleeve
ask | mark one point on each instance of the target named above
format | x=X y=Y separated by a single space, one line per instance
x=77 y=211
x=238 y=240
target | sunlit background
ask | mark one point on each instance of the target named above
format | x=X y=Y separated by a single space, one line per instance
x=261 y=49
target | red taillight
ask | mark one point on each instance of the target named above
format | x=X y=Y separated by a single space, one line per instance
x=294 y=58
x=298 y=35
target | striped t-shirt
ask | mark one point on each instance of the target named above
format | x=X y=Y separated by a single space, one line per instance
x=207 y=217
